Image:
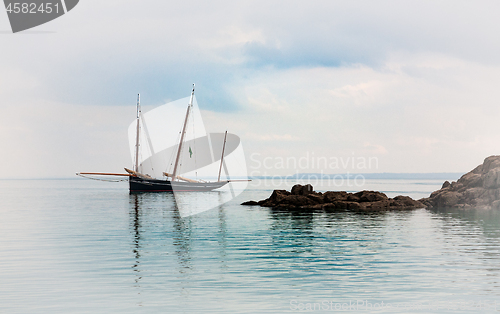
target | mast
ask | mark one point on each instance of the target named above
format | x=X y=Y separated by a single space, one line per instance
x=222 y=157
x=136 y=168
x=174 y=174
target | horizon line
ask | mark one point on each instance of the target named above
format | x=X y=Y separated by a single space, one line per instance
x=288 y=176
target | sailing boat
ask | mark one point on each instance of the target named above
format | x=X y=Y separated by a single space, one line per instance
x=150 y=153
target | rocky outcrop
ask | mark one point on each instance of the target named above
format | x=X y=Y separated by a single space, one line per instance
x=479 y=188
x=304 y=197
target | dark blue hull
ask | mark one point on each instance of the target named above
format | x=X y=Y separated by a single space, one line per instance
x=137 y=184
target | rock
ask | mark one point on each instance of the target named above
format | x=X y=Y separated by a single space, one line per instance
x=471 y=180
x=329 y=206
x=353 y=198
x=495 y=204
x=318 y=199
x=492 y=195
x=279 y=195
x=354 y=206
x=312 y=207
x=303 y=197
x=330 y=196
x=407 y=201
x=479 y=188
x=341 y=204
x=447 y=199
x=251 y=203
x=478 y=169
x=456 y=186
x=297 y=200
x=474 y=193
x=266 y=203
x=426 y=202
x=301 y=189
x=371 y=196
x=379 y=205
x=490 y=163
x=491 y=179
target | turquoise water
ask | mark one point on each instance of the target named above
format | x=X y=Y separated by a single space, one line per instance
x=81 y=246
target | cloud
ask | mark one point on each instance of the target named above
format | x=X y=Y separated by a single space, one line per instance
x=159 y=48
x=416 y=80
x=272 y=137
x=441 y=119
x=45 y=139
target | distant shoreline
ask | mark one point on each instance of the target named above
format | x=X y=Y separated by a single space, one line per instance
x=374 y=176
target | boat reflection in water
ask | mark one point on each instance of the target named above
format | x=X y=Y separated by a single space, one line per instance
x=136 y=227
x=163 y=231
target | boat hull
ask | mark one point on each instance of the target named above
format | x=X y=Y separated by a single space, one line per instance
x=137 y=184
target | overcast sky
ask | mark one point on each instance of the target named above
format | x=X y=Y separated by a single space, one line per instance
x=414 y=84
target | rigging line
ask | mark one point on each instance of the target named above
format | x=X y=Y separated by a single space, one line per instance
x=151 y=163
x=97 y=179
x=172 y=155
x=145 y=129
x=144 y=148
x=229 y=178
x=209 y=138
x=180 y=161
x=150 y=151
x=140 y=167
x=138 y=134
x=136 y=161
x=194 y=144
x=183 y=147
x=187 y=131
x=177 y=158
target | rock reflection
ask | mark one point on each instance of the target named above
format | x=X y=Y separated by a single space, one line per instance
x=333 y=238
x=472 y=233
x=292 y=231
x=487 y=220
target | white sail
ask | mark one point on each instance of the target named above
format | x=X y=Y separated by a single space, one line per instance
x=159 y=130
x=210 y=162
x=200 y=157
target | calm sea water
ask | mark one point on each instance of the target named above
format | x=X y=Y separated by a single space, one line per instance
x=81 y=246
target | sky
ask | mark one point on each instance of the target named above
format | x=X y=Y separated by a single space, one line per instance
x=410 y=84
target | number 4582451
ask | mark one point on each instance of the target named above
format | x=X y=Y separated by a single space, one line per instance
x=33 y=8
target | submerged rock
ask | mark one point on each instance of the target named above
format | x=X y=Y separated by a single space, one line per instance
x=479 y=188
x=304 y=197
